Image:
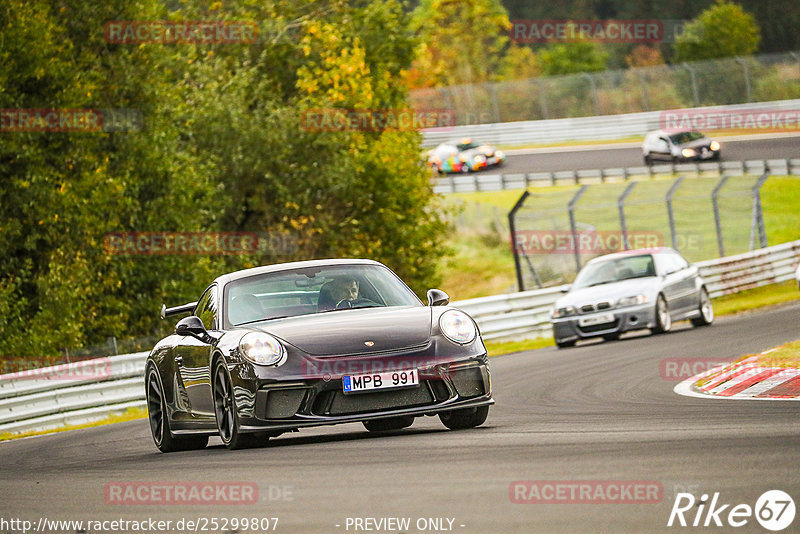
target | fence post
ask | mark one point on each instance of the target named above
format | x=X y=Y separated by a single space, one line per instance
x=495 y=106
x=595 y=99
x=695 y=93
x=621 y=208
x=717 y=222
x=512 y=227
x=543 y=99
x=747 y=88
x=672 y=231
x=571 y=211
x=758 y=214
x=643 y=83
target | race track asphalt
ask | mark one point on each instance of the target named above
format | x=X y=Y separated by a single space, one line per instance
x=598 y=411
x=610 y=156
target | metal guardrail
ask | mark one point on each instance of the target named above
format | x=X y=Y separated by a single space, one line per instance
x=471 y=183
x=594 y=128
x=92 y=389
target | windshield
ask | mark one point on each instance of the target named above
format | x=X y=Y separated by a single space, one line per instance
x=468 y=146
x=605 y=272
x=313 y=290
x=685 y=137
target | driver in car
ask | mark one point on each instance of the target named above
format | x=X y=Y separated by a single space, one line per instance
x=345 y=290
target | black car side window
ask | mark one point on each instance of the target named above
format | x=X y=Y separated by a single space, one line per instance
x=206 y=308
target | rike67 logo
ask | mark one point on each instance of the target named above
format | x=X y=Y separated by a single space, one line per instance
x=774 y=510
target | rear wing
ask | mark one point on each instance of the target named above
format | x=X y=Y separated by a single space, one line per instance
x=177 y=310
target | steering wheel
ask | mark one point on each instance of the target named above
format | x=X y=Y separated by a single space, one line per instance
x=355 y=303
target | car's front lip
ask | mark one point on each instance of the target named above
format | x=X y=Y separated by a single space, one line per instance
x=626 y=319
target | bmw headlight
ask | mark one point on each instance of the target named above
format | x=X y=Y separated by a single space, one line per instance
x=688 y=152
x=632 y=300
x=566 y=311
x=714 y=146
x=262 y=349
x=457 y=327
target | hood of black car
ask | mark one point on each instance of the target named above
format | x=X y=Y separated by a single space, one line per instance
x=356 y=331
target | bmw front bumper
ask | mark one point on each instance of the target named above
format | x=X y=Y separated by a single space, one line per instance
x=583 y=326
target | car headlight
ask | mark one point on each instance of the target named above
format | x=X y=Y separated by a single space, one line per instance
x=479 y=158
x=262 y=349
x=566 y=311
x=632 y=301
x=499 y=154
x=457 y=327
x=688 y=153
x=714 y=145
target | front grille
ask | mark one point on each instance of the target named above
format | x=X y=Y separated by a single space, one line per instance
x=599 y=327
x=341 y=404
x=469 y=382
x=279 y=403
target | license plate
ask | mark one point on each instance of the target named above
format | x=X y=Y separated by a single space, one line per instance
x=596 y=319
x=387 y=380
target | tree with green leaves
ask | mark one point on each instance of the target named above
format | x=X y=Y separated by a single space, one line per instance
x=723 y=30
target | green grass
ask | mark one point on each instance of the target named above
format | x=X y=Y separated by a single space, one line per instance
x=785 y=356
x=756 y=298
x=496 y=348
x=129 y=415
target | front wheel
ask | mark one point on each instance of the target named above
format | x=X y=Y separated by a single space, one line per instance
x=227 y=416
x=464 y=418
x=159 y=420
x=706 y=310
x=565 y=344
x=389 y=423
x=648 y=160
x=663 y=318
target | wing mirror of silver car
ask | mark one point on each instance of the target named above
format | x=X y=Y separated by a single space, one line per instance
x=437 y=297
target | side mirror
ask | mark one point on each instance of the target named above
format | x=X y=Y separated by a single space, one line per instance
x=565 y=289
x=437 y=297
x=193 y=326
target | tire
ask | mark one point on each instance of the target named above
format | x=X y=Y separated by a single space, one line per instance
x=389 y=423
x=159 y=420
x=663 y=318
x=465 y=168
x=226 y=414
x=706 y=310
x=611 y=337
x=464 y=418
x=648 y=160
x=565 y=344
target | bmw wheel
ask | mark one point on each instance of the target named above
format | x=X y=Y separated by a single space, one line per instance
x=706 y=310
x=663 y=318
x=226 y=414
x=159 y=420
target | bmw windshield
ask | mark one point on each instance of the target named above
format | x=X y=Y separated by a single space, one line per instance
x=615 y=270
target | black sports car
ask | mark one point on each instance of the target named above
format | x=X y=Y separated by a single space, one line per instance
x=274 y=349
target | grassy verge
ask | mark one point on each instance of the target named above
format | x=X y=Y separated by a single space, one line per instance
x=129 y=415
x=787 y=355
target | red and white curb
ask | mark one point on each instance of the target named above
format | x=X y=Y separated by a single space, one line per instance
x=744 y=380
